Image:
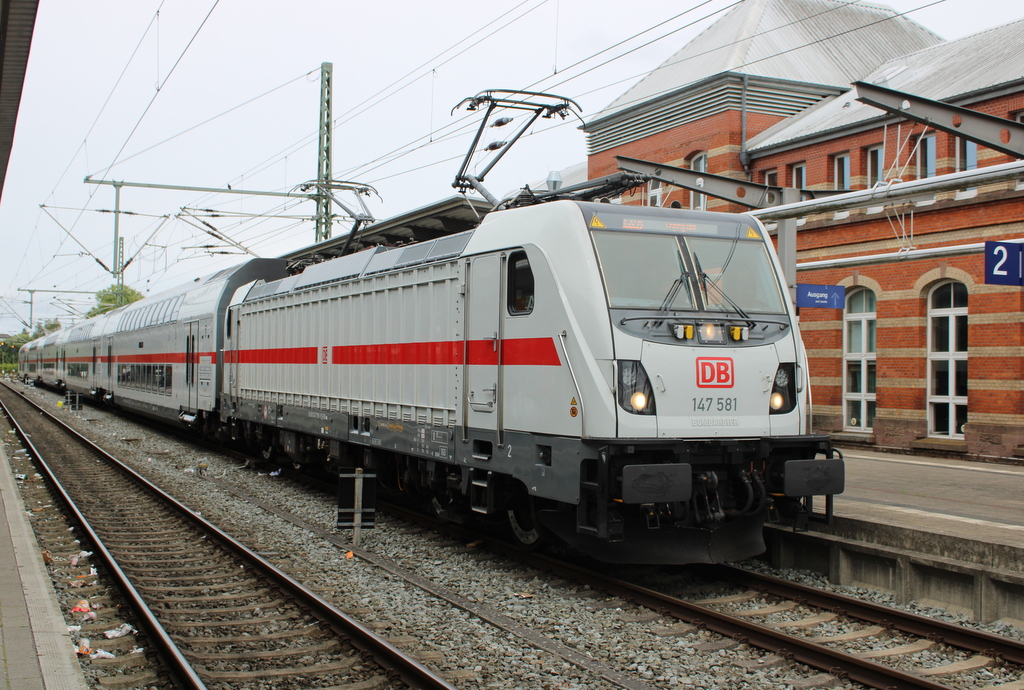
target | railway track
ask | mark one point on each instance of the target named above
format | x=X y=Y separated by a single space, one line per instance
x=843 y=638
x=807 y=609
x=220 y=615
x=793 y=623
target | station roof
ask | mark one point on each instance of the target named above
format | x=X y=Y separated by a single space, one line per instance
x=825 y=42
x=960 y=72
x=17 y=20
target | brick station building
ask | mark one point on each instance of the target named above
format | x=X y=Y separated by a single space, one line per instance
x=925 y=356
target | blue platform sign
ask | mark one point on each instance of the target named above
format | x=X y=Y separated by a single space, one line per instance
x=1003 y=263
x=824 y=296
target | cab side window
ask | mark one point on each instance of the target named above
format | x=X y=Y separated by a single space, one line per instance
x=520 y=284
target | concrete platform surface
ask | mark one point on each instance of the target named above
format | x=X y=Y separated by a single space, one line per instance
x=36 y=651
x=970 y=500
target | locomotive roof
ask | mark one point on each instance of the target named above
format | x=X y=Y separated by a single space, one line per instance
x=366 y=262
x=446 y=217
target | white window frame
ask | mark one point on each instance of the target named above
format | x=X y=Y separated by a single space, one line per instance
x=966 y=154
x=771 y=177
x=927 y=158
x=798 y=175
x=859 y=355
x=874 y=165
x=656 y=193
x=841 y=171
x=951 y=400
x=699 y=163
x=966 y=159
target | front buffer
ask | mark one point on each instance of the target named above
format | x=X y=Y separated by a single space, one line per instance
x=693 y=502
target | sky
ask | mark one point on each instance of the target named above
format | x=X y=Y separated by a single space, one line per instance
x=211 y=93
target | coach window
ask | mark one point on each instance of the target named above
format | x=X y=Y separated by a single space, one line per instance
x=520 y=284
x=859 y=360
x=947 y=360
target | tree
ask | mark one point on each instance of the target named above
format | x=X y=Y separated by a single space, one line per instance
x=9 y=348
x=107 y=299
x=46 y=327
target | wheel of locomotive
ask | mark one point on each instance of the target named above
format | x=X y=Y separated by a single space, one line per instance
x=267 y=446
x=268 y=452
x=521 y=520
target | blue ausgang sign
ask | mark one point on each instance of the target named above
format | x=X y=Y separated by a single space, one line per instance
x=824 y=296
x=1003 y=263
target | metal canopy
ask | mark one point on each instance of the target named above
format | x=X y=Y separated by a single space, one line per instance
x=17 y=20
x=447 y=217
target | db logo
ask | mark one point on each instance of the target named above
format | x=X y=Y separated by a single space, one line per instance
x=714 y=372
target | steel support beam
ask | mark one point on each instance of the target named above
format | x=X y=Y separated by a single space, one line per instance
x=998 y=133
x=323 y=173
x=915 y=190
x=749 y=194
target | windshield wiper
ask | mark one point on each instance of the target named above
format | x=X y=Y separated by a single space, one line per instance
x=683 y=279
x=706 y=281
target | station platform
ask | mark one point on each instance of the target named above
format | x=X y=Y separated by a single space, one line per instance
x=974 y=501
x=36 y=650
x=941 y=532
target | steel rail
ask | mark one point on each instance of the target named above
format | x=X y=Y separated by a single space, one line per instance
x=178 y=665
x=384 y=653
x=990 y=645
x=840 y=664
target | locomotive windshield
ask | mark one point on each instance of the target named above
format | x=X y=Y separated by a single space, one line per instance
x=672 y=271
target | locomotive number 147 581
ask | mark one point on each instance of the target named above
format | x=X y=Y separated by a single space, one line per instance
x=711 y=404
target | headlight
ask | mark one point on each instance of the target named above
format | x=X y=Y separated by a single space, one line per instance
x=635 y=394
x=783 y=397
x=711 y=333
x=782 y=378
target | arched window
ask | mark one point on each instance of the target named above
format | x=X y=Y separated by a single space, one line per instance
x=859 y=360
x=947 y=360
x=699 y=163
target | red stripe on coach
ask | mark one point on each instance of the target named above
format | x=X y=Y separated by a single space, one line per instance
x=517 y=352
x=280 y=355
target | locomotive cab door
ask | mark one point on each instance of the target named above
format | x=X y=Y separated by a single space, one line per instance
x=482 y=347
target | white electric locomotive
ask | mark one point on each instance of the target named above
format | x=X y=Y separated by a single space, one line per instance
x=628 y=380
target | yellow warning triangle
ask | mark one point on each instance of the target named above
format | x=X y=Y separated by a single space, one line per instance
x=573 y=401
x=752 y=234
x=595 y=222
